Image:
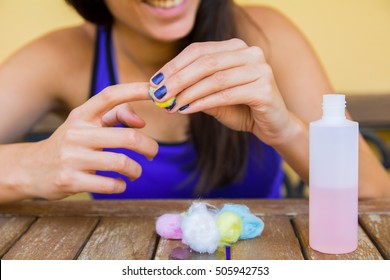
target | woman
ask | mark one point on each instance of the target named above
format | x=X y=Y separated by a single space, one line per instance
x=256 y=94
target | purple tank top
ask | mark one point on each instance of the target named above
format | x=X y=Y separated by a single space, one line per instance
x=172 y=172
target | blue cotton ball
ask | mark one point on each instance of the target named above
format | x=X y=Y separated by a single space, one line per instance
x=199 y=227
x=252 y=226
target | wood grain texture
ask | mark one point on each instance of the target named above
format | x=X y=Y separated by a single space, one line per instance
x=378 y=227
x=278 y=235
x=58 y=238
x=153 y=208
x=11 y=228
x=122 y=238
x=366 y=249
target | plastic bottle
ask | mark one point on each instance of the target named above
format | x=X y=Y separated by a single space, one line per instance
x=333 y=206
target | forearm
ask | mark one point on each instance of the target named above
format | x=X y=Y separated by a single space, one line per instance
x=295 y=150
x=374 y=181
x=11 y=173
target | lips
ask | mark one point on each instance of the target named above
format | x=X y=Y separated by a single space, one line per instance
x=163 y=4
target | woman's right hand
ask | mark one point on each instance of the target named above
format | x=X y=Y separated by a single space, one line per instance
x=66 y=162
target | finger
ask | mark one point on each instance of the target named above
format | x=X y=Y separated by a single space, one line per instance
x=218 y=81
x=190 y=54
x=132 y=139
x=208 y=65
x=110 y=161
x=101 y=103
x=97 y=184
x=122 y=114
x=248 y=94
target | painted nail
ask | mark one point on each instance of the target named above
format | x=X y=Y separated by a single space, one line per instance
x=160 y=93
x=173 y=105
x=158 y=78
x=184 y=107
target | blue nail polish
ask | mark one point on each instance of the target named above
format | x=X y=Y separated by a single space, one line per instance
x=184 y=107
x=173 y=105
x=160 y=93
x=158 y=78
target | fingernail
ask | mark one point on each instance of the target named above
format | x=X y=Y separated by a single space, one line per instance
x=160 y=93
x=173 y=105
x=158 y=78
x=184 y=107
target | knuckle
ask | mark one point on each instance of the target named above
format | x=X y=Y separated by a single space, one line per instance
x=71 y=135
x=133 y=138
x=209 y=61
x=195 y=49
x=136 y=171
x=226 y=95
x=257 y=53
x=107 y=95
x=238 y=43
x=176 y=82
x=122 y=164
x=65 y=180
x=110 y=186
x=220 y=78
x=76 y=113
x=171 y=68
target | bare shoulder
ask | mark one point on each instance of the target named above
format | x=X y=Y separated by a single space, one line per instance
x=53 y=59
x=274 y=27
x=271 y=21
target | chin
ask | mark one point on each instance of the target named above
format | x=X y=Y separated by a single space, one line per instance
x=173 y=33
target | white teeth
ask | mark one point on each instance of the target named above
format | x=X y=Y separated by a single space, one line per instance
x=166 y=4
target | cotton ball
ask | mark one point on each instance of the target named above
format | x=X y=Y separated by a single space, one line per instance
x=200 y=231
x=168 y=226
x=252 y=226
x=230 y=227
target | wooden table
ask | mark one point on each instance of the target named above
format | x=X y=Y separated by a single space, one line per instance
x=126 y=230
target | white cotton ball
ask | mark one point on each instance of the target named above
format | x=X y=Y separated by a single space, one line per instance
x=199 y=227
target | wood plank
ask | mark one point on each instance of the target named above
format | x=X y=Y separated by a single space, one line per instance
x=378 y=228
x=11 y=228
x=121 y=238
x=270 y=245
x=151 y=208
x=56 y=238
x=155 y=208
x=278 y=235
x=366 y=249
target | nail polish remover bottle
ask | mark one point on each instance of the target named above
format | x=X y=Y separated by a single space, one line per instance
x=333 y=199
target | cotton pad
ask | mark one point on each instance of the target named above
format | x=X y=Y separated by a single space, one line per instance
x=199 y=229
x=230 y=227
x=252 y=226
x=169 y=226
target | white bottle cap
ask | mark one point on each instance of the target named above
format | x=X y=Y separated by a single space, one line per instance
x=333 y=106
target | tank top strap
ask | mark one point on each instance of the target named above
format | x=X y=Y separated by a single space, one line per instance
x=104 y=68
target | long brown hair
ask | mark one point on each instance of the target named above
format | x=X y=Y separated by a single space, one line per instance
x=222 y=152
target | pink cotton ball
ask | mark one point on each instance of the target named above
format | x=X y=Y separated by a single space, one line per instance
x=168 y=226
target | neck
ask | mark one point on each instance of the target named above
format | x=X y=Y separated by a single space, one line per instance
x=146 y=54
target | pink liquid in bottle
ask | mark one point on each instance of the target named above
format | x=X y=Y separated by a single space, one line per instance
x=334 y=231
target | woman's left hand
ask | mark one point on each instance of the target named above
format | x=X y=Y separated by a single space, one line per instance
x=231 y=82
